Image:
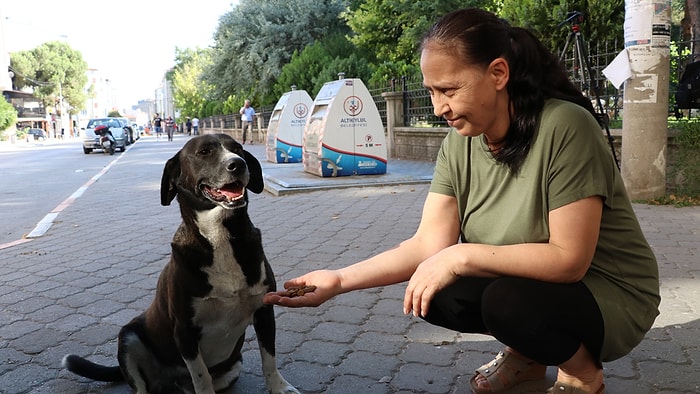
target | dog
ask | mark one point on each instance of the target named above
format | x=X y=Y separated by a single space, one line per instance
x=210 y=291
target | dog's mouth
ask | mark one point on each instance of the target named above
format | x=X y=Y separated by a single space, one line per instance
x=230 y=195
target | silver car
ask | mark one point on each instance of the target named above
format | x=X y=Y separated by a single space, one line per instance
x=92 y=141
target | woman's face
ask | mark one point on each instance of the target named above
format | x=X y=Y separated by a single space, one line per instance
x=472 y=99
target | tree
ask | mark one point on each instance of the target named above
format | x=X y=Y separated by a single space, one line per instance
x=8 y=114
x=388 y=32
x=392 y=29
x=53 y=69
x=319 y=63
x=602 y=20
x=190 y=91
x=258 y=37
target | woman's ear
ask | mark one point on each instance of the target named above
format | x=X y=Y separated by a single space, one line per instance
x=499 y=71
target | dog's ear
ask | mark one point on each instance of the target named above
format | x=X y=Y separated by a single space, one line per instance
x=256 y=183
x=168 y=183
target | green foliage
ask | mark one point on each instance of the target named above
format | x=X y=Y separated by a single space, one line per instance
x=53 y=69
x=262 y=47
x=258 y=37
x=319 y=63
x=114 y=114
x=232 y=104
x=190 y=91
x=8 y=114
x=686 y=169
x=212 y=108
x=603 y=20
x=391 y=29
x=302 y=70
x=386 y=71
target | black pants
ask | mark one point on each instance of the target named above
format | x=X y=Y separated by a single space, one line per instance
x=546 y=322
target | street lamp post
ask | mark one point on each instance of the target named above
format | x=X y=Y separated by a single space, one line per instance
x=64 y=121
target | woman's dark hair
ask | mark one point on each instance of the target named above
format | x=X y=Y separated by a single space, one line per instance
x=479 y=37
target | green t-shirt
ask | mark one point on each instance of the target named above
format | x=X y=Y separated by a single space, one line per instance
x=569 y=160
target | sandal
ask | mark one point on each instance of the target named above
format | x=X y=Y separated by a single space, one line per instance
x=506 y=371
x=563 y=388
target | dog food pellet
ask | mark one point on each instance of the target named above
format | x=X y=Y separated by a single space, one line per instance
x=298 y=291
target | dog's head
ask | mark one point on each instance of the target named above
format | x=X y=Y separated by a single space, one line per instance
x=211 y=170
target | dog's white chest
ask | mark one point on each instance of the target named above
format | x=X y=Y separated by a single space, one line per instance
x=226 y=311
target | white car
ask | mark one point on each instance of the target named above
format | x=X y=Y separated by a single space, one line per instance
x=92 y=141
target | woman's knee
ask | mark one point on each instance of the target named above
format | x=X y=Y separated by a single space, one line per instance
x=505 y=302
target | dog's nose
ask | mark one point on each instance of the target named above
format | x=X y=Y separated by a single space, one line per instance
x=235 y=164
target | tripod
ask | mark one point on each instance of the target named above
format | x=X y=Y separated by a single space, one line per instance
x=582 y=66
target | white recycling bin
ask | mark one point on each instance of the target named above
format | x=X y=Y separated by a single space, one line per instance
x=285 y=131
x=344 y=134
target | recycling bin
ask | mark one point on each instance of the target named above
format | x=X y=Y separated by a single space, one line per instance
x=344 y=134
x=285 y=131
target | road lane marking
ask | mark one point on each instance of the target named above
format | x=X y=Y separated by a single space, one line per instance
x=45 y=224
x=13 y=243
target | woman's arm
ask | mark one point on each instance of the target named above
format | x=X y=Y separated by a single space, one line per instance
x=574 y=230
x=439 y=228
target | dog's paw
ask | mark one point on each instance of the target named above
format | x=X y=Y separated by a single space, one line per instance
x=277 y=385
x=288 y=390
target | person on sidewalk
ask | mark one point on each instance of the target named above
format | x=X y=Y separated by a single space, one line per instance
x=158 y=125
x=170 y=127
x=195 y=125
x=527 y=232
x=247 y=113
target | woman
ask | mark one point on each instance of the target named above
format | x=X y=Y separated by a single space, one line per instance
x=527 y=233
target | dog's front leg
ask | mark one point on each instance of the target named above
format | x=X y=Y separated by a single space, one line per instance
x=186 y=339
x=264 y=324
x=200 y=375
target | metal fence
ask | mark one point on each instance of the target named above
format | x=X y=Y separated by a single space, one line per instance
x=585 y=67
x=585 y=71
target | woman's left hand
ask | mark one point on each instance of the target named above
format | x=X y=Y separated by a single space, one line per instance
x=431 y=276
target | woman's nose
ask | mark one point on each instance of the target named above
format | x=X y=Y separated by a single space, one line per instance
x=440 y=107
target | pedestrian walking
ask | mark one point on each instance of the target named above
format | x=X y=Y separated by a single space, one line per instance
x=195 y=125
x=170 y=127
x=247 y=113
x=158 y=125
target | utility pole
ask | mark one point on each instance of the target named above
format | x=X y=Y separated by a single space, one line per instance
x=645 y=117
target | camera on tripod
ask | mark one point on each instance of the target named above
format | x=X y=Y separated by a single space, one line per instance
x=573 y=17
x=582 y=67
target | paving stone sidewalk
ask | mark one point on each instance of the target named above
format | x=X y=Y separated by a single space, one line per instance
x=70 y=290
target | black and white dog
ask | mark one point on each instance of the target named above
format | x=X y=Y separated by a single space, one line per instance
x=210 y=291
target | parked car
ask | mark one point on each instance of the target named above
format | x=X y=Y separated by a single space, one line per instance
x=92 y=141
x=137 y=130
x=133 y=136
x=36 y=134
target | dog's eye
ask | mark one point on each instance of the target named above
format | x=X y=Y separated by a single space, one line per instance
x=204 y=152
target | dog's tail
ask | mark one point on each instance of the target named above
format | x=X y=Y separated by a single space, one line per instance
x=90 y=370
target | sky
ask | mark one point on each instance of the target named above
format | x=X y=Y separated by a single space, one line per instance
x=130 y=42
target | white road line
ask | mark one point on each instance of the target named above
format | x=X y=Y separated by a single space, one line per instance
x=45 y=224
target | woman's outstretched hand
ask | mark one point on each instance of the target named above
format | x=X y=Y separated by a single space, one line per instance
x=312 y=289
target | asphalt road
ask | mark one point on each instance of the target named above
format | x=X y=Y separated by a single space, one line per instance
x=37 y=178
